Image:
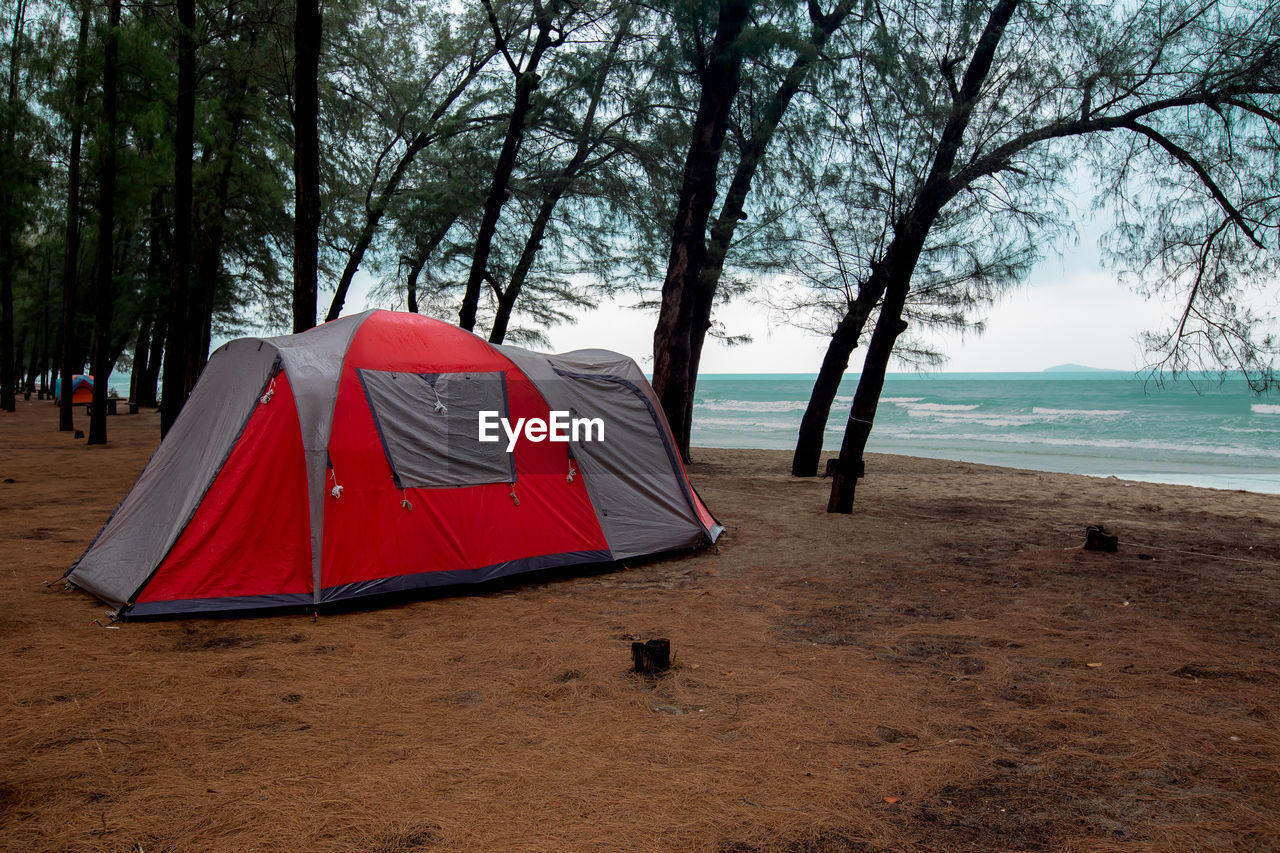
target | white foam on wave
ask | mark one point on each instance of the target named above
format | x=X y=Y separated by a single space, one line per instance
x=990 y=419
x=754 y=405
x=937 y=408
x=1265 y=409
x=898 y=400
x=1087 y=413
x=741 y=424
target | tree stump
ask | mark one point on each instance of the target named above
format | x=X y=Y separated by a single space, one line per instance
x=1096 y=538
x=652 y=656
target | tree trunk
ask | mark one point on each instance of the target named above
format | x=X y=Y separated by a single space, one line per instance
x=146 y=366
x=378 y=208
x=416 y=264
x=140 y=352
x=307 y=38
x=32 y=366
x=373 y=216
x=559 y=186
x=507 y=300
x=844 y=340
x=155 y=358
x=67 y=350
x=889 y=325
x=731 y=211
x=672 y=353
x=499 y=192
x=903 y=253
x=40 y=347
x=104 y=293
x=8 y=362
x=19 y=363
x=499 y=186
x=813 y=426
x=208 y=252
x=411 y=283
x=8 y=368
x=175 y=391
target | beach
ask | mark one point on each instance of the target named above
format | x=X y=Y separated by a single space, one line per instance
x=946 y=669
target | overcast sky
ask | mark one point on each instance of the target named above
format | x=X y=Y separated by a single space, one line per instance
x=1071 y=310
x=1079 y=316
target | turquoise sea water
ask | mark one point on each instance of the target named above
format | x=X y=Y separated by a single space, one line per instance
x=1207 y=433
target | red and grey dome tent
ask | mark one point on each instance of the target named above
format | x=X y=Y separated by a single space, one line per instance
x=345 y=461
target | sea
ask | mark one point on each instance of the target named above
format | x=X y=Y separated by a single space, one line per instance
x=1205 y=431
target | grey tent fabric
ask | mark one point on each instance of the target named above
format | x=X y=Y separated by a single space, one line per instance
x=634 y=477
x=148 y=521
x=313 y=361
x=427 y=423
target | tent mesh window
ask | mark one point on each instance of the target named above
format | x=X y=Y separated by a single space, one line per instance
x=429 y=426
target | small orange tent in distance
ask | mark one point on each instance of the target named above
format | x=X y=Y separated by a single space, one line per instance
x=81 y=390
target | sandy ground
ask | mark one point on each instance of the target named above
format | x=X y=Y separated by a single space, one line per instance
x=945 y=670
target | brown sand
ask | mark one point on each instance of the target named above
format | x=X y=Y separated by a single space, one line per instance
x=945 y=670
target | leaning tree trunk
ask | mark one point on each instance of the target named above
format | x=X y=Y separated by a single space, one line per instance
x=889 y=325
x=419 y=261
x=507 y=299
x=175 y=390
x=556 y=190
x=147 y=396
x=373 y=216
x=104 y=296
x=813 y=426
x=899 y=263
x=8 y=360
x=32 y=366
x=731 y=211
x=20 y=363
x=375 y=211
x=672 y=339
x=308 y=33
x=499 y=186
x=411 y=283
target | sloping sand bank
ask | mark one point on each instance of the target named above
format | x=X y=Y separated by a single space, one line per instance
x=945 y=670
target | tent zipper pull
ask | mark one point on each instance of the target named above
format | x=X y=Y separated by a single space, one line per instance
x=572 y=472
x=514 y=498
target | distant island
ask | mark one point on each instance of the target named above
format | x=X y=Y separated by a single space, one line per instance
x=1079 y=368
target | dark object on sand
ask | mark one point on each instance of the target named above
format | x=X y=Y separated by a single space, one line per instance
x=652 y=656
x=1096 y=538
x=79 y=433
